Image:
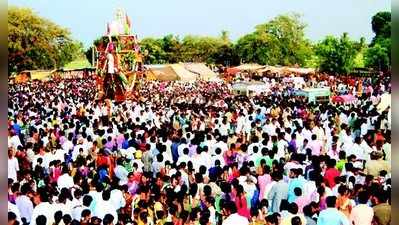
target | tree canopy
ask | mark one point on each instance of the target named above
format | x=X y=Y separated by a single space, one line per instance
x=280 y=41
x=37 y=43
x=378 y=55
x=337 y=55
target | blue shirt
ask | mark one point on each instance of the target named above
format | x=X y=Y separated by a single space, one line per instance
x=125 y=144
x=175 y=153
x=17 y=128
x=261 y=117
x=332 y=216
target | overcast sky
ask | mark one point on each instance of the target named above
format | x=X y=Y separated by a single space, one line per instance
x=87 y=19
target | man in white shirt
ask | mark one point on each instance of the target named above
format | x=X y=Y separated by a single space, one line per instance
x=43 y=208
x=77 y=210
x=229 y=210
x=24 y=204
x=218 y=156
x=104 y=207
x=220 y=144
x=13 y=166
x=117 y=199
x=14 y=141
x=65 y=180
x=362 y=213
x=183 y=158
x=182 y=146
x=120 y=172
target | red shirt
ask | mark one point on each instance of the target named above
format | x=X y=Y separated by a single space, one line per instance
x=330 y=175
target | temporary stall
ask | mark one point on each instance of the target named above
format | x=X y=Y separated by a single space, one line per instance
x=170 y=72
x=315 y=94
x=249 y=88
x=27 y=75
x=298 y=82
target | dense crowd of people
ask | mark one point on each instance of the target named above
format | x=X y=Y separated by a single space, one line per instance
x=194 y=153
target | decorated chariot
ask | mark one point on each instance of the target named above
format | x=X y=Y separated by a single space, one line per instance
x=118 y=60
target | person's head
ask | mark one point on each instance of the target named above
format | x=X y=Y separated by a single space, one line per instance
x=218 y=151
x=95 y=220
x=108 y=219
x=293 y=208
x=272 y=219
x=12 y=218
x=342 y=155
x=298 y=191
x=296 y=220
x=331 y=201
x=284 y=205
x=58 y=217
x=67 y=219
x=86 y=215
x=87 y=199
x=342 y=190
x=10 y=153
x=41 y=220
x=106 y=195
x=380 y=197
x=307 y=210
x=143 y=217
x=228 y=208
x=331 y=163
x=363 y=197
x=185 y=151
x=209 y=201
x=314 y=137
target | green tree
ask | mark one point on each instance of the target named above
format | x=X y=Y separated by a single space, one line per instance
x=172 y=46
x=378 y=55
x=200 y=49
x=226 y=55
x=37 y=43
x=337 y=55
x=280 y=41
x=153 y=51
x=381 y=24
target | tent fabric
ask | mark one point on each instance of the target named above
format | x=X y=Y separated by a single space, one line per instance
x=272 y=69
x=182 y=73
x=301 y=70
x=201 y=70
x=249 y=67
x=40 y=75
x=165 y=73
x=171 y=72
x=37 y=74
x=287 y=70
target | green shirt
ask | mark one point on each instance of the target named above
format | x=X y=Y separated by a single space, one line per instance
x=340 y=164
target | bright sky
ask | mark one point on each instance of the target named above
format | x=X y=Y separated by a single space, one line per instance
x=87 y=19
